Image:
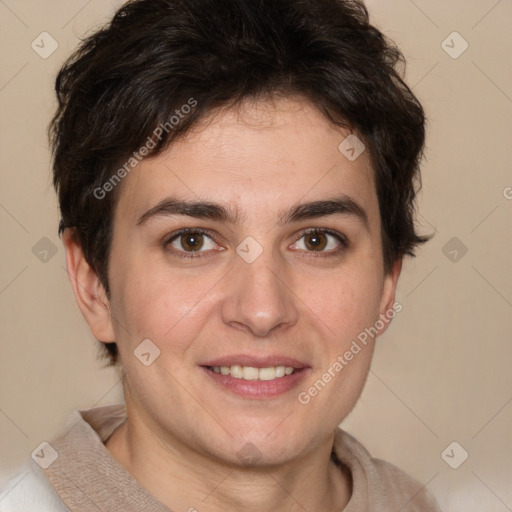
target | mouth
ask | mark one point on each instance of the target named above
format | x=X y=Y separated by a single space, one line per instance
x=256 y=377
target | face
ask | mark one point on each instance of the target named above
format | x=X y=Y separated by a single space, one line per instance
x=252 y=243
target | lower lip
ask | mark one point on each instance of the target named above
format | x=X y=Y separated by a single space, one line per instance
x=258 y=388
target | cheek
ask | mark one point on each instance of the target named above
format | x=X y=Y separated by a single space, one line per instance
x=348 y=306
x=166 y=307
x=346 y=301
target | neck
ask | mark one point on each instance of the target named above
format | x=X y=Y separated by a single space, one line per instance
x=183 y=478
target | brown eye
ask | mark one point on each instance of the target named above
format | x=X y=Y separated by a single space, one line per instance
x=321 y=241
x=315 y=241
x=192 y=241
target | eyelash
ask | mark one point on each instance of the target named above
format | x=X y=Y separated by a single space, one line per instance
x=200 y=254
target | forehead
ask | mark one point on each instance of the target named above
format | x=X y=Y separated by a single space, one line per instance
x=262 y=156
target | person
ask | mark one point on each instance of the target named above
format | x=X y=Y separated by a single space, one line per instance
x=237 y=183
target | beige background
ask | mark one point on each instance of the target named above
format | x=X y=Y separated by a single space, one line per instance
x=441 y=372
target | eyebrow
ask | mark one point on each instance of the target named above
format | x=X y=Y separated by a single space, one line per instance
x=343 y=205
x=196 y=209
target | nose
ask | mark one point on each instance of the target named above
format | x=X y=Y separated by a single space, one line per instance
x=258 y=297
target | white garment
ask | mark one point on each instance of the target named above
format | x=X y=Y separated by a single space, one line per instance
x=30 y=491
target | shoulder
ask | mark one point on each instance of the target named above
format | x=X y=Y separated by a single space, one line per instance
x=400 y=487
x=30 y=490
x=379 y=485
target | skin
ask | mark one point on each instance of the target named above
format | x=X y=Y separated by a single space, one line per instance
x=184 y=431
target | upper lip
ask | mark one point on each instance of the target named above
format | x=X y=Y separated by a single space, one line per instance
x=256 y=361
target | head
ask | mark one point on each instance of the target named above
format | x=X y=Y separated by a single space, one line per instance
x=228 y=120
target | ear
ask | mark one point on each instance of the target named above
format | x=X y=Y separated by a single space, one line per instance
x=388 y=307
x=89 y=292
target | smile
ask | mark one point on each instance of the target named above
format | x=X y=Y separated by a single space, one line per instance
x=253 y=373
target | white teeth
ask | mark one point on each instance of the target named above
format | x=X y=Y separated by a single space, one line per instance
x=237 y=371
x=281 y=371
x=253 y=373
x=268 y=373
x=250 y=373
